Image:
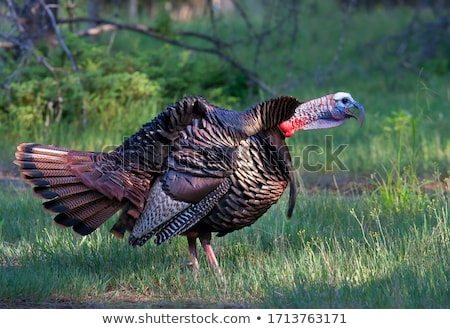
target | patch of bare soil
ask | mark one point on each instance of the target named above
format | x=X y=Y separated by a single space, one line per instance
x=116 y=302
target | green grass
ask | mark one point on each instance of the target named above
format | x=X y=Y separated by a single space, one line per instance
x=337 y=251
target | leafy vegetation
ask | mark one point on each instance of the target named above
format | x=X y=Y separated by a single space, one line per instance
x=377 y=236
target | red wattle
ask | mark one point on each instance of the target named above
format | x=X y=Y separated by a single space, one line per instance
x=287 y=128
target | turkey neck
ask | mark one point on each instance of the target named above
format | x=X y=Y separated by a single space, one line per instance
x=268 y=114
x=261 y=117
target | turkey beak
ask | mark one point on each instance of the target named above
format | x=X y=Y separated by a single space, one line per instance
x=361 y=112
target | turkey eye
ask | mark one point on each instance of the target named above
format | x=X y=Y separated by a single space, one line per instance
x=344 y=101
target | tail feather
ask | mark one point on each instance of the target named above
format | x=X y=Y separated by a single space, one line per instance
x=93 y=222
x=50 y=170
x=125 y=222
x=38 y=157
x=67 y=203
x=87 y=210
x=43 y=165
x=49 y=181
x=87 y=217
x=36 y=173
x=59 y=190
x=81 y=157
x=42 y=149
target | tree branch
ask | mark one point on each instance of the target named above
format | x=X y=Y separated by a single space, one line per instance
x=216 y=49
x=58 y=35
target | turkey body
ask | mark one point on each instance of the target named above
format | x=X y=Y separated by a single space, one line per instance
x=169 y=176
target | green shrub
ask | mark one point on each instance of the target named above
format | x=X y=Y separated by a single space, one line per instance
x=115 y=90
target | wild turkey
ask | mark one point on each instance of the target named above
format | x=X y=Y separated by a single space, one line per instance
x=195 y=169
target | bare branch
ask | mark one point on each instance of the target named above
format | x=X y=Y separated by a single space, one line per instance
x=244 y=16
x=148 y=31
x=69 y=55
x=70 y=12
x=6 y=45
x=58 y=35
x=10 y=40
x=14 y=17
x=97 y=30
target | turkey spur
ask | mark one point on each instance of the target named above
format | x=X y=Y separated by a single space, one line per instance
x=194 y=169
